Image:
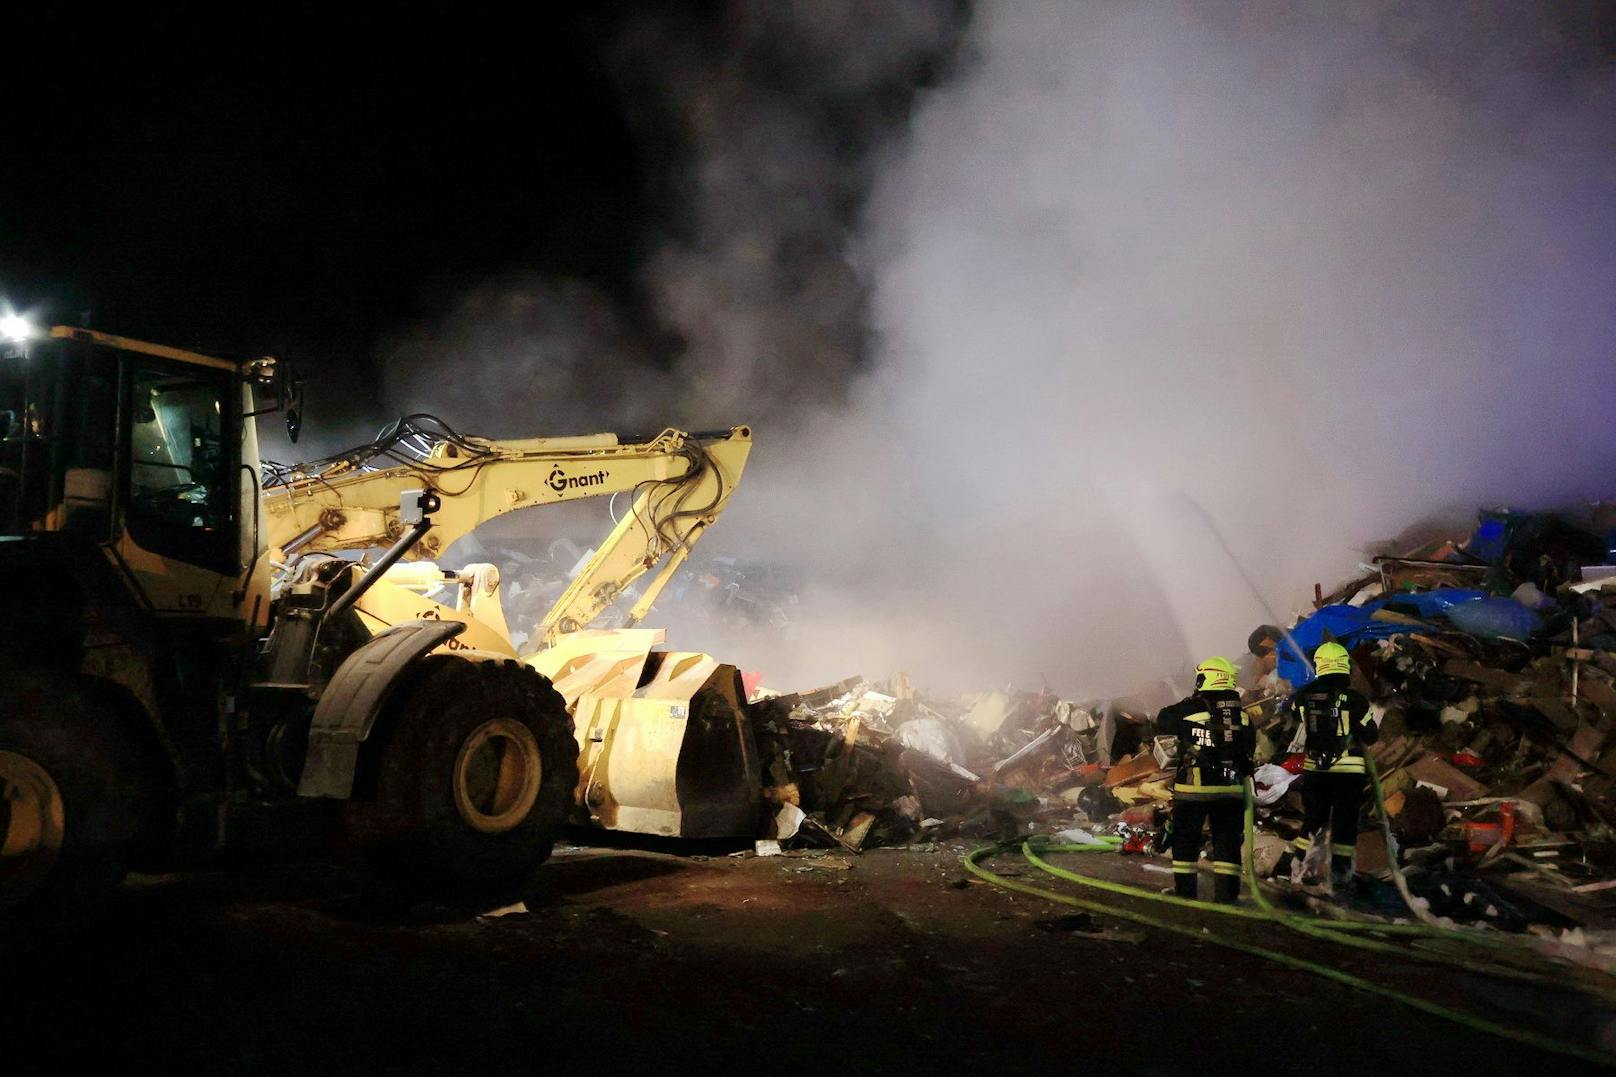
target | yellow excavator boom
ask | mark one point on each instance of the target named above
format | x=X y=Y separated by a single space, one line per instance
x=679 y=485
x=664 y=743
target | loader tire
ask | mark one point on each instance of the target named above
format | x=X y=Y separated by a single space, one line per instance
x=75 y=799
x=474 y=778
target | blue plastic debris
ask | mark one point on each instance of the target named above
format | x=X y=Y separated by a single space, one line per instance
x=1428 y=605
x=1491 y=537
x=1495 y=618
x=1349 y=626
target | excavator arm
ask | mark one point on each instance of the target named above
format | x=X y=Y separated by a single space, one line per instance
x=678 y=484
x=665 y=745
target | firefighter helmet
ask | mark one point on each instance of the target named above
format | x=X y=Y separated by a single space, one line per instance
x=1215 y=675
x=1331 y=658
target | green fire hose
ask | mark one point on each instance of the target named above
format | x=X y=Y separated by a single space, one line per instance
x=1344 y=932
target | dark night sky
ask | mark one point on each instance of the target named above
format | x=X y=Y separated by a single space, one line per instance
x=306 y=180
x=255 y=179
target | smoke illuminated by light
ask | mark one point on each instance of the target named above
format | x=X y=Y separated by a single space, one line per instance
x=1132 y=278
x=1136 y=265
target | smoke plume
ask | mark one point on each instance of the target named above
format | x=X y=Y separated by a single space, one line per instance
x=1140 y=301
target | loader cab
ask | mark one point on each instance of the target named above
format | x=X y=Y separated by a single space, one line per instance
x=143 y=450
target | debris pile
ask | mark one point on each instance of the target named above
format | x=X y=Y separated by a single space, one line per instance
x=1491 y=662
x=860 y=764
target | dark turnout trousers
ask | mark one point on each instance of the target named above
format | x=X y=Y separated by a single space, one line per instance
x=1333 y=799
x=1227 y=814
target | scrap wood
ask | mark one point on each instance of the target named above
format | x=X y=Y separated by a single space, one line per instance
x=1436 y=643
x=1505 y=682
x=1433 y=771
x=1143 y=765
x=1394 y=753
x=1555 y=897
x=1548 y=872
x=1579 y=751
x=1597 y=689
x=857 y=830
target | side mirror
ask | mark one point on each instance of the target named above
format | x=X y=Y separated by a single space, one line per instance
x=281 y=378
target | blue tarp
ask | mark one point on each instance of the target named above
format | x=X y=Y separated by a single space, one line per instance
x=1492 y=618
x=1475 y=612
x=1350 y=626
x=1427 y=605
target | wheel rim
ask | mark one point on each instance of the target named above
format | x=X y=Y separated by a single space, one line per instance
x=32 y=822
x=497 y=776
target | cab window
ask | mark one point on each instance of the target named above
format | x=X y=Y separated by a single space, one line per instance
x=58 y=414
x=13 y=416
x=180 y=474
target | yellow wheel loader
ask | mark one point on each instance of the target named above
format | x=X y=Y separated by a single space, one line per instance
x=201 y=647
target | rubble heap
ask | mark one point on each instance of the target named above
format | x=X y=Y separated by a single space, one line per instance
x=1491 y=661
x=860 y=764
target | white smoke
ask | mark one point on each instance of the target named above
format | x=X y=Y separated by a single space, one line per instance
x=1146 y=280
x=1155 y=295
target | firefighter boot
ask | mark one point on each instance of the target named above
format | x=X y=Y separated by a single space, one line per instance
x=1226 y=889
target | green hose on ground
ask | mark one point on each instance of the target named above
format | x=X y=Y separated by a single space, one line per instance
x=1337 y=931
x=1531 y=1039
x=1422 y=915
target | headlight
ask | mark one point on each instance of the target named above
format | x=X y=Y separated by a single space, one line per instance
x=15 y=327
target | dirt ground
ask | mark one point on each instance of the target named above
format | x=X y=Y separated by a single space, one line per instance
x=633 y=959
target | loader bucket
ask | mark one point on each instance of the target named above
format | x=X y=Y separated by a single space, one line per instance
x=665 y=746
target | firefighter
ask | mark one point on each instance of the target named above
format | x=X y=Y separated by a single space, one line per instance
x=1333 y=717
x=1215 y=742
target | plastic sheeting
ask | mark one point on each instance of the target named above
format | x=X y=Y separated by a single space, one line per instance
x=1271 y=781
x=1427 y=604
x=932 y=737
x=1347 y=625
x=1496 y=618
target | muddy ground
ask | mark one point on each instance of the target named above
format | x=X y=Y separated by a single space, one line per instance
x=636 y=959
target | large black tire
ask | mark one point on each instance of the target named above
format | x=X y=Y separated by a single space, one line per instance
x=76 y=798
x=474 y=773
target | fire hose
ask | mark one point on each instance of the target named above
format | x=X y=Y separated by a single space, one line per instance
x=1343 y=932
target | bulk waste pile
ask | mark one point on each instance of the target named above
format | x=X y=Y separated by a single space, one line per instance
x=1490 y=659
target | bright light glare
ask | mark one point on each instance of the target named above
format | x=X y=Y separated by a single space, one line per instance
x=15 y=327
